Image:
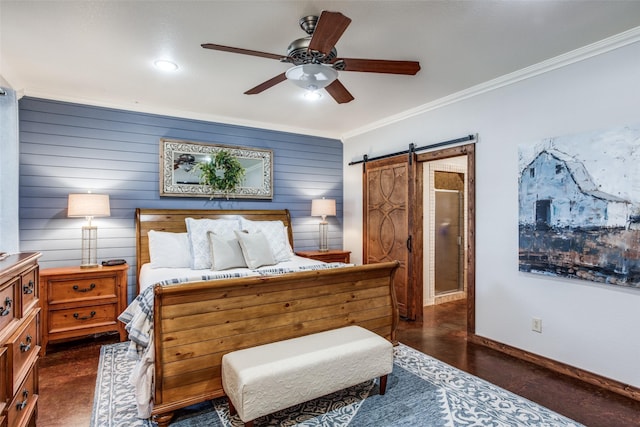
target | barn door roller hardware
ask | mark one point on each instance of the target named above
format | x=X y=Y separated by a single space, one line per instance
x=412 y=149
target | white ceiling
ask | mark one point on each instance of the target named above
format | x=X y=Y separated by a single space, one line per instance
x=101 y=53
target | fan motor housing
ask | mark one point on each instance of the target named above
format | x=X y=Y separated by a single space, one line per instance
x=298 y=51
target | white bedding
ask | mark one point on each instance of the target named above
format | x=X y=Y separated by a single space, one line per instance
x=138 y=317
x=150 y=276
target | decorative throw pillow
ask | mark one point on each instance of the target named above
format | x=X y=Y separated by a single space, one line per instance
x=276 y=234
x=169 y=250
x=199 y=242
x=255 y=249
x=225 y=252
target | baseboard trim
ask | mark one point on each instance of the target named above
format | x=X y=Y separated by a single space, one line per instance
x=562 y=368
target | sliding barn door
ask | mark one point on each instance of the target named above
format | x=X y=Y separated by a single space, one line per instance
x=388 y=185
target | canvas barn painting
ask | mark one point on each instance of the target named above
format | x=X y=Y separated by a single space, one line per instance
x=579 y=206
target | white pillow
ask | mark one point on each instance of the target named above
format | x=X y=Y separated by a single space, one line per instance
x=225 y=252
x=198 y=241
x=276 y=234
x=255 y=248
x=170 y=250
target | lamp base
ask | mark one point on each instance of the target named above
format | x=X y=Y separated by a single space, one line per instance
x=89 y=247
x=89 y=265
x=324 y=244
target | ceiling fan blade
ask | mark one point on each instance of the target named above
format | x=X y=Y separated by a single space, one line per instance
x=339 y=92
x=380 y=66
x=241 y=51
x=266 y=85
x=329 y=29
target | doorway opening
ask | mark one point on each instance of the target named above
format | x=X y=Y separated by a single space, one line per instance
x=445 y=239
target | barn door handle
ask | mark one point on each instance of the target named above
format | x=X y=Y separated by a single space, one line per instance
x=409 y=244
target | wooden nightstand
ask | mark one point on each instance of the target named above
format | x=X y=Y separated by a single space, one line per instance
x=332 y=255
x=77 y=302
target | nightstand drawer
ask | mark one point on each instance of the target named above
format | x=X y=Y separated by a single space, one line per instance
x=62 y=290
x=333 y=255
x=74 y=319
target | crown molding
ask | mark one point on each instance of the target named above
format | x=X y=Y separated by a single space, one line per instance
x=598 y=48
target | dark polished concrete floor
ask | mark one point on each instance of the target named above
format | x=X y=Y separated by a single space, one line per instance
x=68 y=373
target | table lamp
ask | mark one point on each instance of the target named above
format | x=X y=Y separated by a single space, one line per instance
x=88 y=205
x=323 y=208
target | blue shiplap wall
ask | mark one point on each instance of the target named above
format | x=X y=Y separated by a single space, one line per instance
x=68 y=148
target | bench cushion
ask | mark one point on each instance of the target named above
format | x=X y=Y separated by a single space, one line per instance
x=267 y=378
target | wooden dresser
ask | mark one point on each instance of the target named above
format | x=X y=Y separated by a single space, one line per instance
x=77 y=302
x=19 y=339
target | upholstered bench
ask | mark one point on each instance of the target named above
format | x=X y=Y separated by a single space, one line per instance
x=265 y=379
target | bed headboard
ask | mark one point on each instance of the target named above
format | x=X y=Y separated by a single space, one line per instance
x=173 y=220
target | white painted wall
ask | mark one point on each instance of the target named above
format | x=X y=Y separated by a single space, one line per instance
x=586 y=325
x=9 y=171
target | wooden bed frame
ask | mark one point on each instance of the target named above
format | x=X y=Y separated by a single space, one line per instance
x=196 y=323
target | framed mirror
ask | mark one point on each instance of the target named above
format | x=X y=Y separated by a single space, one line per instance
x=180 y=176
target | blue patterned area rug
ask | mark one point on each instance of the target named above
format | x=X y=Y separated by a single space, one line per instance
x=421 y=391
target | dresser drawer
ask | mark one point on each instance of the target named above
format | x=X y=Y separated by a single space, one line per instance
x=22 y=351
x=73 y=319
x=9 y=302
x=62 y=290
x=29 y=290
x=24 y=402
x=3 y=379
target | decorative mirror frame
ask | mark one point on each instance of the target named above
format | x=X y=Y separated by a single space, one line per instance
x=258 y=164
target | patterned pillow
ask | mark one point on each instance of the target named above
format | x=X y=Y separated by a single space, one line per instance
x=276 y=234
x=225 y=252
x=255 y=248
x=199 y=242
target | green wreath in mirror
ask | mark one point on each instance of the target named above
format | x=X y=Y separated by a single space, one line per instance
x=222 y=173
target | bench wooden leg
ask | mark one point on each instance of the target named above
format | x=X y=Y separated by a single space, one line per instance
x=383 y=384
x=232 y=409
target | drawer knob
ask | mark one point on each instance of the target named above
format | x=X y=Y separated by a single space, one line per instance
x=26 y=347
x=7 y=307
x=90 y=288
x=77 y=316
x=21 y=405
x=28 y=289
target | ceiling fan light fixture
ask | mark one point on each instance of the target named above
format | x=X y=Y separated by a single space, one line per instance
x=311 y=76
x=312 y=95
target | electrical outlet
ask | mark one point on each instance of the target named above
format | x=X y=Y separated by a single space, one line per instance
x=536 y=325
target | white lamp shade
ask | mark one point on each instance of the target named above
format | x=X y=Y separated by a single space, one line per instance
x=323 y=207
x=312 y=76
x=88 y=205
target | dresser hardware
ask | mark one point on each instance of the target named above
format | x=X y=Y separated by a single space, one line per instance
x=7 y=307
x=21 y=405
x=26 y=347
x=77 y=316
x=28 y=289
x=90 y=288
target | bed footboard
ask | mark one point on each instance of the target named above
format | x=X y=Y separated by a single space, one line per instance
x=195 y=324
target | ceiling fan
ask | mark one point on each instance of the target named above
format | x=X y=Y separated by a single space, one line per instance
x=315 y=59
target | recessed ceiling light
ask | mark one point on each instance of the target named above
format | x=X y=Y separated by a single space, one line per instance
x=164 y=65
